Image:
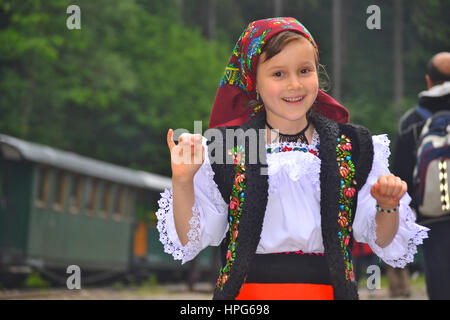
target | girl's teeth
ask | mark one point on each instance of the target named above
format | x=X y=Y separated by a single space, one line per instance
x=293 y=99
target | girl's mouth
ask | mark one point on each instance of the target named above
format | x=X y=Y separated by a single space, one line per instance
x=293 y=99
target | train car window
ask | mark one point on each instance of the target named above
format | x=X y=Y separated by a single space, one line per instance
x=93 y=196
x=106 y=195
x=118 y=203
x=43 y=182
x=75 y=194
x=60 y=190
x=86 y=195
x=130 y=202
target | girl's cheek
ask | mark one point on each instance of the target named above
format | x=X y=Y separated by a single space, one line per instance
x=314 y=82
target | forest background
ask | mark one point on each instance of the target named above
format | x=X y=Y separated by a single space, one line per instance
x=136 y=68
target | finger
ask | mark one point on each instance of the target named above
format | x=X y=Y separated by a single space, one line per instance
x=183 y=137
x=405 y=186
x=382 y=179
x=382 y=185
x=401 y=189
x=194 y=140
x=185 y=141
x=397 y=186
x=170 y=142
x=182 y=154
x=374 y=190
x=198 y=150
x=391 y=186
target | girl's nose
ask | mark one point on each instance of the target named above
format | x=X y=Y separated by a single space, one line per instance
x=294 y=84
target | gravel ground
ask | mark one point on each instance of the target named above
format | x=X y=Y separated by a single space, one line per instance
x=163 y=292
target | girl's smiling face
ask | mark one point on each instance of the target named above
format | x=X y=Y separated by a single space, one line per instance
x=288 y=85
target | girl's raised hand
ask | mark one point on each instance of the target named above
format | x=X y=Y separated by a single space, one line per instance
x=187 y=156
x=388 y=191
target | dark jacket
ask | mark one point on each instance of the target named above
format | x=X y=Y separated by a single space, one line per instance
x=337 y=249
x=411 y=124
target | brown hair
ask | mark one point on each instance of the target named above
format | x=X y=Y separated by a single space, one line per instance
x=279 y=41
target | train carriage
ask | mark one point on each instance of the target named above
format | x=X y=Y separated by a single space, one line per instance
x=58 y=209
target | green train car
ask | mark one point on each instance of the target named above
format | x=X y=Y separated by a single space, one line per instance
x=58 y=209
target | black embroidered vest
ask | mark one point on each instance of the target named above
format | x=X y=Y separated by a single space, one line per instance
x=346 y=154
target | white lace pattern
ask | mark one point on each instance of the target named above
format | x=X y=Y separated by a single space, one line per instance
x=417 y=232
x=166 y=225
x=171 y=242
x=408 y=231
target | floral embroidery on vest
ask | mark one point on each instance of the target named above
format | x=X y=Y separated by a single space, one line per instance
x=346 y=199
x=236 y=203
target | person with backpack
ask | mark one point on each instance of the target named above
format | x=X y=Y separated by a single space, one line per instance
x=422 y=160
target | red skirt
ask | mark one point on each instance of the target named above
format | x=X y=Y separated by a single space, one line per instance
x=287 y=276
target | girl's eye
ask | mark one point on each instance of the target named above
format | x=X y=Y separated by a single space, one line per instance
x=304 y=70
x=278 y=74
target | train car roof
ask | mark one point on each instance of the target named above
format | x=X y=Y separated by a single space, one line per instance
x=17 y=149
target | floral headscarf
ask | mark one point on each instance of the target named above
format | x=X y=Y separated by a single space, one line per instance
x=237 y=86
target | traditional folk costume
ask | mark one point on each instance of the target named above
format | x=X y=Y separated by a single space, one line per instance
x=286 y=234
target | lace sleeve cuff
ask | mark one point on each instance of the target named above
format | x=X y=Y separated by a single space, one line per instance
x=403 y=247
x=167 y=231
x=209 y=221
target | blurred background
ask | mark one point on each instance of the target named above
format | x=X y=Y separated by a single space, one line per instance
x=85 y=113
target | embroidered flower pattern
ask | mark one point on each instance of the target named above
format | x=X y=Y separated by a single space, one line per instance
x=346 y=199
x=255 y=48
x=292 y=147
x=302 y=253
x=236 y=203
x=232 y=76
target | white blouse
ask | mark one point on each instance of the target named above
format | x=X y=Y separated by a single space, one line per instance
x=292 y=218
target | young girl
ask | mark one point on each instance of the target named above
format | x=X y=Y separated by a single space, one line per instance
x=286 y=234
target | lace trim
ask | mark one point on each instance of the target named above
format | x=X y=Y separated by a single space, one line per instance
x=420 y=233
x=171 y=245
x=381 y=166
x=275 y=147
x=166 y=224
x=381 y=150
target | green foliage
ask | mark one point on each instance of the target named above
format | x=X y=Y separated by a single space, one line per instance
x=151 y=282
x=34 y=280
x=110 y=90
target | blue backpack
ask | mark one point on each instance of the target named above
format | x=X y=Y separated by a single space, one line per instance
x=431 y=173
